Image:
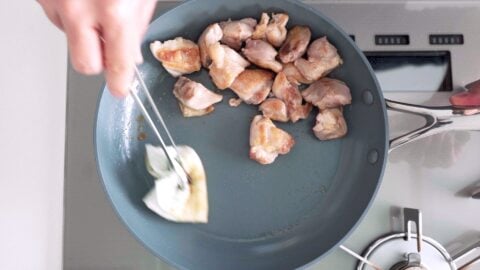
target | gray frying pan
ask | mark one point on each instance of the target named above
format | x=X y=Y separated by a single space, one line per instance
x=281 y=216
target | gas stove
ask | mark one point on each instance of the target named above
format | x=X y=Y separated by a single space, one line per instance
x=409 y=251
x=426 y=214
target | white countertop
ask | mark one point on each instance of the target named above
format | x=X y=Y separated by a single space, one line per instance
x=32 y=138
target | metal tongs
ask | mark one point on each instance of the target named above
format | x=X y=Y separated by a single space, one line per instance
x=175 y=162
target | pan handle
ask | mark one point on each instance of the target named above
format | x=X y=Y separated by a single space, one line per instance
x=438 y=120
x=465 y=253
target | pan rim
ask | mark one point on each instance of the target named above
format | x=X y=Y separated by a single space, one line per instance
x=383 y=155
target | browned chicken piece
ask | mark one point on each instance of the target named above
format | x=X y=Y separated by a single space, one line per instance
x=322 y=59
x=195 y=99
x=275 y=109
x=267 y=141
x=262 y=54
x=235 y=102
x=292 y=97
x=253 y=85
x=277 y=29
x=328 y=93
x=321 y=48
x=178 y=56
x=211 y=35
x=236 y=32
x=301 y=112
x=261 y=28
x=330 y=125
x=194 y=95
x=189 y=112
x=226 y=65
x=294 y=75
x=274 y=31
x=314 y=70
x=296 y=44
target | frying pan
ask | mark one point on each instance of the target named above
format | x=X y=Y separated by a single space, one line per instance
x=282 y=216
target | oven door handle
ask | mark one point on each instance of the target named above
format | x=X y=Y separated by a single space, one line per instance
x=438 y=120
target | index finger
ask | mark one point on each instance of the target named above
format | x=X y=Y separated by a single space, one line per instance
x=119 y=52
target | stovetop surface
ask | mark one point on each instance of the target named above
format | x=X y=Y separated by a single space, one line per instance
x=434 y=175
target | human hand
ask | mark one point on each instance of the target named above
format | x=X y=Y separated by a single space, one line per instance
x=103 y=35
x=470 y=98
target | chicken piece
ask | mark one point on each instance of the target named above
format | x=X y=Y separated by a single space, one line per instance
x=195 y=99
x=300 y=112
x=267 y=141
x=261 y=28
x=262 y=54
x=328 y=93
x=292 y=97
x=322 y=59
x=251 y=22
x=275 y=109
x=189 y=112
x=211 y=35
x=235 y=102
x=296 y=44
x=294 y=75
x=178 y=56
x=330 y=125
x=321 y=48
x=226 y=65
x=236 y=32
x=283 y=89
x=276 y=32
x=194 y=95
x=253 y=85
x=314 y=70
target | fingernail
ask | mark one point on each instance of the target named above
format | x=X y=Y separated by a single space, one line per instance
x=118 y=93
x=119 y=86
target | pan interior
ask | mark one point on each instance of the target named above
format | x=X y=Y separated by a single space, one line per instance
x=300 y=206
x=247 y=200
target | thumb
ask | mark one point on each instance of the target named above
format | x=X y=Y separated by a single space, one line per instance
x=470 y=98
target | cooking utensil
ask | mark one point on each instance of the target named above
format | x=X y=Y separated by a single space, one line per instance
x=175 y=162
x=281 y=216
x=360 y=258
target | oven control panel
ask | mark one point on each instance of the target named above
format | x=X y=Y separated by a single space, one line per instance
x=419 y=46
